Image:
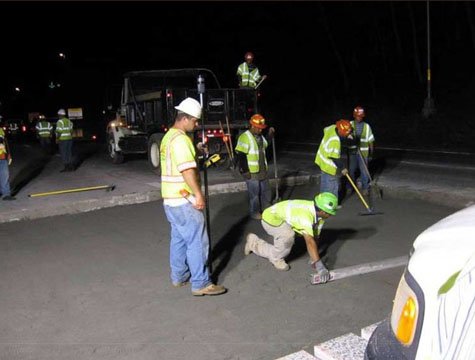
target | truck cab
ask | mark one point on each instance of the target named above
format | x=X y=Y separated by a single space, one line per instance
x=147 y=111
x=433 y=314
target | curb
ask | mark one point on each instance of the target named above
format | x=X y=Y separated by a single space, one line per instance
x=129 y=199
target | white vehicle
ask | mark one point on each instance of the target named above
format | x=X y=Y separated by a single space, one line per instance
x=433 y=314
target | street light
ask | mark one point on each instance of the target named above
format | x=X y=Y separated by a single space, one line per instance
x=62 y=55
x=429 y=107
x=17 y=89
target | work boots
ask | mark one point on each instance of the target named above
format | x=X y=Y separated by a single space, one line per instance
x=211 y=289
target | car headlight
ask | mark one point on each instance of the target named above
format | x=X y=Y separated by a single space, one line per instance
x=405 y=313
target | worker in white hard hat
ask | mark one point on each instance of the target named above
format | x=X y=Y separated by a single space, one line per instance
x=183 y=202
x=64 y=139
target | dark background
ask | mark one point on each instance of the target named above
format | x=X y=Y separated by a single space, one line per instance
x=322 y=59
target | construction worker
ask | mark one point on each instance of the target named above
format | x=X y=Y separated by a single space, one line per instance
x=5 y=160
x=251 y=152
x=64 y=139
x=183 y=202
x=248 y=73
x=328 y=156
x=283 y=220
x=44 y=132
x=364 y=139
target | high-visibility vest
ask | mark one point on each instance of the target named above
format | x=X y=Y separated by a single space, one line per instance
x=3 y=149
x=247 y=144
x=366 y=138
x=248 y=78
x=329 y=149
x=44 y=129
x=301 y=215
x=177 y=154
x=64 y=129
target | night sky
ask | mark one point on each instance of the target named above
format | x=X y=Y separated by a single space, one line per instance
x=322 y=59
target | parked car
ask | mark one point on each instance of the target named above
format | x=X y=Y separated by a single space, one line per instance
x=14 y=129
x=433 y=315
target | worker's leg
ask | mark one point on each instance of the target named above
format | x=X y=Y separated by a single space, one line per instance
x=265 y=194
x=283 y=241
x=189 y=245
x=69 y=152
x=364 y=175
x=4 y=178
x=354 y=165
x=253 y=191
x=328 y=183
x=62 y=151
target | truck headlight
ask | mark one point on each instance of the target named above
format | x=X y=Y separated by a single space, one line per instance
x=405 y=313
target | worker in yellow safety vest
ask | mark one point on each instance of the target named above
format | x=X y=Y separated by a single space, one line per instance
x=287 y=218
x=183 y=202
x=5 y=160
x=44 y=131
x=248 y=73
x=64 y=139
x=328 y=156
x=251 y=153
x=364 y=138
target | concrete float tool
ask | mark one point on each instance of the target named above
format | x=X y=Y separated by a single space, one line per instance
x=370 y=210
x=59 y=192
x=361 y=269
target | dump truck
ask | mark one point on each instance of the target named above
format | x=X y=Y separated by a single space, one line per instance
x=147 y=111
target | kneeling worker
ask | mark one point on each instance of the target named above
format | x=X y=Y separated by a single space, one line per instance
x=288 y=217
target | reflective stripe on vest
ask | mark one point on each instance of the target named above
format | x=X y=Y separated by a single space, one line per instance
x=3 y=149
x=366 y=138
x=248 y=79
x=172 y=179
x=299 y=214
x=44 y=128
x=247 y=144
x=329 y=148
x=64 y=127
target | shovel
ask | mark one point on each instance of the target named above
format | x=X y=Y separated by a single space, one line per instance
x=370 y=210
x=277 y=198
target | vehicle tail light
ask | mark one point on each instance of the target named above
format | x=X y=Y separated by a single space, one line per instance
x=169 y=95
x=4 y=128
x=23 y=128
x=94 y=137
x=225 y=138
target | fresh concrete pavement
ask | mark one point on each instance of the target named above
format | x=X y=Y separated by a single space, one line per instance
x=95 y=285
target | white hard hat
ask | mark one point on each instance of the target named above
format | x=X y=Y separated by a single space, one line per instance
x=191 y=107
x=61 y=112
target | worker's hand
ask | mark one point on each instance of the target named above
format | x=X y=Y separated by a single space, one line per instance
x=264 y=77
x=344 y=172
x=271 y=132
x=200 y=202
x=246 y=175
x=9 y=159
x=322 y=270
x=203 y=148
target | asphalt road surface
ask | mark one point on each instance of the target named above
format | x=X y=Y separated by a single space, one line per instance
x=96 y=285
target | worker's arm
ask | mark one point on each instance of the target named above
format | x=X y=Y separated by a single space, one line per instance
x=243 y=165
x=9 y=155
x=191 y=178
x=312 y=247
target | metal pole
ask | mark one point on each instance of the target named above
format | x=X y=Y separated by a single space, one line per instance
x=201 y=90
x=429 y=107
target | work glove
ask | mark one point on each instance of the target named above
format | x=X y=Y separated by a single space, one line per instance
x=322 y=271
x=344 y=172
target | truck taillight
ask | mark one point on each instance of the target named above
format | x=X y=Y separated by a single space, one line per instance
x=225 y=138
x=169 y=95
x=4 y=128
x=94 y=137
x=23 y=128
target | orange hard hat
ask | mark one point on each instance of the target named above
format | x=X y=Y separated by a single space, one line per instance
x=344 y=127
x=249 y=55
x=258 y=121
x=359 y=111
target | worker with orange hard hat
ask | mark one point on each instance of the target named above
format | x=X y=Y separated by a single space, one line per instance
x=328 y=156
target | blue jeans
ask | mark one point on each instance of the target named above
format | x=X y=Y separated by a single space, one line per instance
x=65 y=149
x=259 y=195
x=356 y=162
x=329 y=183
x=189 y=245
x=4 y=178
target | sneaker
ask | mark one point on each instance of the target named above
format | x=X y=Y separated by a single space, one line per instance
x=256 y=216
x=211 y=289
x=180 y=284
x=281 y=265
x=9 y=197
x=250 y=239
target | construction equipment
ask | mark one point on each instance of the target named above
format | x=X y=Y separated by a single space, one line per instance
x=345 y=272
x=277 y=197
x=213 y=159
x=370 y=210
x=372 y=184
x=59 y=192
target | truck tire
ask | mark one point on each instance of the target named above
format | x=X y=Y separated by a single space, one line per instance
x=116 y=156
x=154 y=152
